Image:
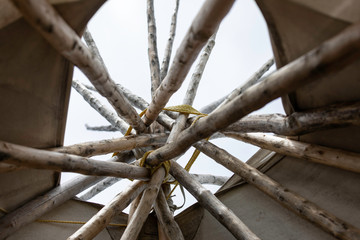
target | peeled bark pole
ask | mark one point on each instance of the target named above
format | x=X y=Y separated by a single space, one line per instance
x=255 y=78
x=223 y=214
x=328 y=156
x=210 y=179
x=43 y=17
x=328 y=57
x=99 y=187
x=339 y=115
x=94 y=148
x=289 y=199
x=166 y=218
x=202 y=28
x=169 y=44
x=32 y=210
x=142 y=211
x=100 y=220
x=42 y=159
x=107 y=113
x=152 y=47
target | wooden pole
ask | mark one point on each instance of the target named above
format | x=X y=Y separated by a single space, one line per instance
x=166 y=218
x=42 y=159
x=33 y=209
x=330 y=56
x=152 y=48
x=189 y=98
x=88 y=149
x=104 y=111
x=286 y=197
x=169 y=44
x=255 y=78
x=338 y=115
x=202 y=28
x=223 y=214
x=328 y=156
x=210 y=179
x=140 y=103
x=44 y=18
x=99 y=187
x=142 y=211
x=101 y=219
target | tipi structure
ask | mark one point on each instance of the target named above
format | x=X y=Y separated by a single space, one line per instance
x=304 y=183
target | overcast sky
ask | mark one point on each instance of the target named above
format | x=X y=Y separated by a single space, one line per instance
x=120 y=31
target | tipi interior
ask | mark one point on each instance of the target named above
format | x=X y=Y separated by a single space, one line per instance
x=303 y=183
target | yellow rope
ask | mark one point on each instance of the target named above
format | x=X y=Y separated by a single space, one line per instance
x=193 y=157
x=165 y=164
x=184 y=109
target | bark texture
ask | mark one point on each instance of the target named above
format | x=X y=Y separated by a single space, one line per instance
x=310 y=211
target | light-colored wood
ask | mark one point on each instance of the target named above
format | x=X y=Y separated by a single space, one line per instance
x=88 y=149
x=142 y=211
x=210 y=179
x=99 y=187
x=42 y=16
x=104 y=111
x=329 y=57
x=32 y=210
x=166 y=218
x=169 y=44
x=202 y=28
x=99 y=221
x=42 y=159
x=223 y=214
x=189 y=98
x=328 y=156
x=339 y=115
x=164 y=118
x=133 y=206
x=255 y=78
x=286 y=197
x=152 y=47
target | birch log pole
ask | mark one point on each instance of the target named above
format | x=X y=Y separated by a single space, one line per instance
x=141 y=104
x=223 y=214
x=289 y=199
x=189 y=98
x=99 y=187
x=50 y=200
x=141 y=213
x=210 y=179
x=42 y=159
x=88 y=149
x=346 y=160
x=169 y=44
x=338 y=115
x=255 y=78
x=99 y=221
x=152 y=47
x=202 y=28
x=44 y=18
x=107 y=113
x=329 y=57
x=166 y=218
x=32 y=210
x=104 y=128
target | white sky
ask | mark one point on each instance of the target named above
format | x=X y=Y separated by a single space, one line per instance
x=120 y=31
